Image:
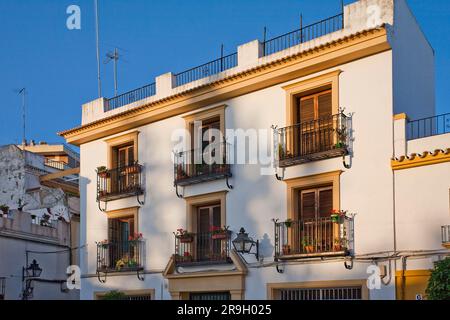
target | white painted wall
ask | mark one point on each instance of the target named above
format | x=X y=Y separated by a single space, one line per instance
x=413 y=66
x=369 y=179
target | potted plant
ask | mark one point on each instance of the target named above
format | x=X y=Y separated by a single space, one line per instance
x=281 y=151
x=5 y=209
x=337 y=216
x=337 y=245
x=200 y=168
x=220 y=233
x=45 y=220
x=102 y=172
x=132 y=169
x=288 y=223
x=181 y=174
x=308 y=245
x=135 y=238
x=184 y=236
x=103 y=244
x=286 y=249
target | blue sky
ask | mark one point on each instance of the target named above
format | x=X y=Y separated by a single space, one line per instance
x=58 y=66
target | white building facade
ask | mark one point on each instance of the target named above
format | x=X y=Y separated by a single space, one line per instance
x=325 y=112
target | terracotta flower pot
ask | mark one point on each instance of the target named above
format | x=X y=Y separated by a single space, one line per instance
x=218 y=236
x=186 y=239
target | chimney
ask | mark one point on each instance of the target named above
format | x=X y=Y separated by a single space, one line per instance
x=32 y=143
x=24 y=142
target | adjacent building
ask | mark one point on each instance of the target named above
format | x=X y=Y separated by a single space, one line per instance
x=309 y=166
x=39 y=221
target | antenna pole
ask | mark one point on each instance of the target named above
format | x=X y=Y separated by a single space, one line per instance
x=116 y=58
x=97 y=32
x=23 y=92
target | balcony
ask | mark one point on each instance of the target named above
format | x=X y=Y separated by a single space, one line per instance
x=124 y=256
x=313 y=238
x=312 y=141
x=445 y=234
x=202 y=165
x=193 y=249
x=118 y=183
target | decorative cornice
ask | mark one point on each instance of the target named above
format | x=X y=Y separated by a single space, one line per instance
x=418 y=160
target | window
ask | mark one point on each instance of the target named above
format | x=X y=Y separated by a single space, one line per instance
x=210 y=296
x=123 y=250
x=315 y=203
x=120 y=229
x=123 y=177
x=129 y=295
x=315 y=129
x=318 y=97
x=305 y=294
x=207 y=241
x=122 y=150
x=208 y=217
x=319 y=290
x=205 y=157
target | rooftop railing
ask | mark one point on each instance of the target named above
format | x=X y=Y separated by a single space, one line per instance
x=206 y=70
x=223 y=63
x=130 y=97
x=428 y=127
x=304 y=34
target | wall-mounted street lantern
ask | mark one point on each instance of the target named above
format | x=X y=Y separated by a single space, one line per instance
x=28 y=274
x=244 y=244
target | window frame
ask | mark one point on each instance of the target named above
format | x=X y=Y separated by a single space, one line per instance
x=311 y=182
x=120 y=141
x=327 y=81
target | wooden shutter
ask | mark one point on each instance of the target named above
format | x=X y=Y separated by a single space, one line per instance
x=203 y=220
x=306 y=109
x=325 y=202
x=308 y=204
x=324 y=105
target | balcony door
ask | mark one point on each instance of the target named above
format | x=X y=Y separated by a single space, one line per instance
x=315 y=226
x=314 y=130
x=121 y=178
x=119 y=231
x=207 y=218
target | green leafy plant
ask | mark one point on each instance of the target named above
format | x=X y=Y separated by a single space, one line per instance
x=102 y=169
x=439 y=283
x=4 y=208
x=288 y=223
x=114 y=295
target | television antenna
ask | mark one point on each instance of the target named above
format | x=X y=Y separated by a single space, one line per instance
x=23 y=92
x=113 y=56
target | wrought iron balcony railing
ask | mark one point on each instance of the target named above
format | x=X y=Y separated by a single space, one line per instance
x=120 y=256
x=313 y=237
x=428 y=127
x=445 y=234
x=60 y=165
x=201 y=165
x=119 y=182
x=315 y=140
x=202 y=249
x=304 y=34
